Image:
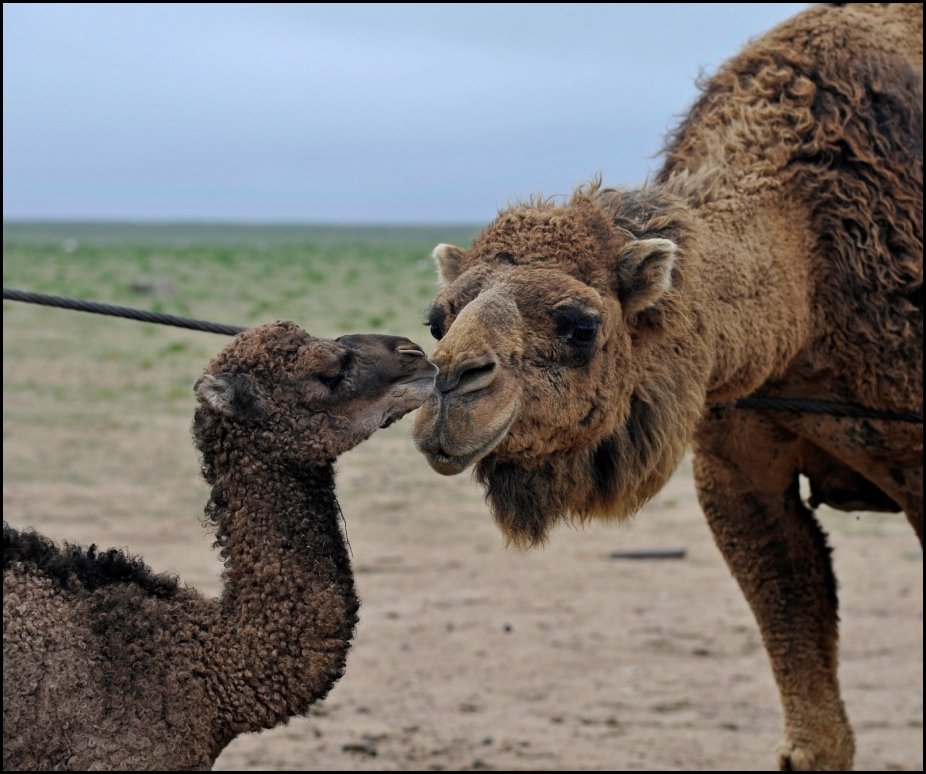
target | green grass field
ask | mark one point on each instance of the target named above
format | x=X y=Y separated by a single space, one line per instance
x=329 y=279
x=85 y=397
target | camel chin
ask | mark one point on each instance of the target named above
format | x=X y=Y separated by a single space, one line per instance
x=446 y=452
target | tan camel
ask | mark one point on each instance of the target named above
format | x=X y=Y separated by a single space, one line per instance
x=778 y=252
x=107 y=666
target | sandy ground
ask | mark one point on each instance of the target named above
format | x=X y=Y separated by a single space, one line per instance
x=469 y=655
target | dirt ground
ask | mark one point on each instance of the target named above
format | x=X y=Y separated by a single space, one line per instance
x=469 y=655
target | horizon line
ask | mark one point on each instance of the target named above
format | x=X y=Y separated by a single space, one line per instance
x=228 y=222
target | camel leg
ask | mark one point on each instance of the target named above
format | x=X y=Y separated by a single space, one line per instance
x=747 y=478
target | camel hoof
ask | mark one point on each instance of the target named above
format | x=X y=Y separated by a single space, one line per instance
x=792 y=757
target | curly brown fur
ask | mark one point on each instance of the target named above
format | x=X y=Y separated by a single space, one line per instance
x=108 y=666
x=779 y=250
x=85 y=569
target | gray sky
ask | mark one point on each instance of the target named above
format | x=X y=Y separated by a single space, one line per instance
x=358 y=113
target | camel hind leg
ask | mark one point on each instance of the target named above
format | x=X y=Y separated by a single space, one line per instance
x=747 y=478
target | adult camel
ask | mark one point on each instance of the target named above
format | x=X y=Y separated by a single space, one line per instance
x=778 y=252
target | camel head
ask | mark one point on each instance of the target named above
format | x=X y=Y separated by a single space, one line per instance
x=549 y=331
x=278 y=393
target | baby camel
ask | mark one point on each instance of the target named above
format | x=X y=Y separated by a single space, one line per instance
x=109 y=666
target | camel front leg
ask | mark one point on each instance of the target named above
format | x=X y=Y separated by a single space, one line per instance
x=747 y=480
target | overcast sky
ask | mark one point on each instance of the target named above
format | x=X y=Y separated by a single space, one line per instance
x=359 y=113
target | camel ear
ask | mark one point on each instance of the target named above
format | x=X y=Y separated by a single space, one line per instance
x=644 y=273
x=232 y=395
x=447 y=257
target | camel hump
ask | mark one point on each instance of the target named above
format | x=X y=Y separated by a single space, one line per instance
x=73 y=567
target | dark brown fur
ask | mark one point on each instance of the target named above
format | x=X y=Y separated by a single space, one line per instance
x=108 y=666
x=83 y=569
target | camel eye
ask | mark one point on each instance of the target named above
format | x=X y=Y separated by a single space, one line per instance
x=575 y=327
x=331 y=382
x=434 y=322
x=584 y=332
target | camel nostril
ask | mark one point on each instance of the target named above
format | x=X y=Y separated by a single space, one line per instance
x=410 y=349
x=468 y=376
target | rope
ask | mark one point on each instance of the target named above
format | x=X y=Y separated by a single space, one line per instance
x=120 y=311
x=801 y=405
x=795 y=405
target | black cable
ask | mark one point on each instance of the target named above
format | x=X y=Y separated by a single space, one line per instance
x=120 y=311
x=801 y=405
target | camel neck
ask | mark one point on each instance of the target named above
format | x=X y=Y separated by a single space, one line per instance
x=288 y=608
x=748 y=279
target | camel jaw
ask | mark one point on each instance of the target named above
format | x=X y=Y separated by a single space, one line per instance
x=444 y=452
x=408 y=396
x=445 y=464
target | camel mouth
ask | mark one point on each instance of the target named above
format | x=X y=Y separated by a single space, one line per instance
x=408 y=396
x=423 y=383
x=395 y=413
x=452 y=464
x=448 y=464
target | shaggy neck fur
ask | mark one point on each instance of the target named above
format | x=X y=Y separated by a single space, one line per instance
x=669 y=366
x=288 y=609
x=799 y=175
x=610 y=480
x=708 y=340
